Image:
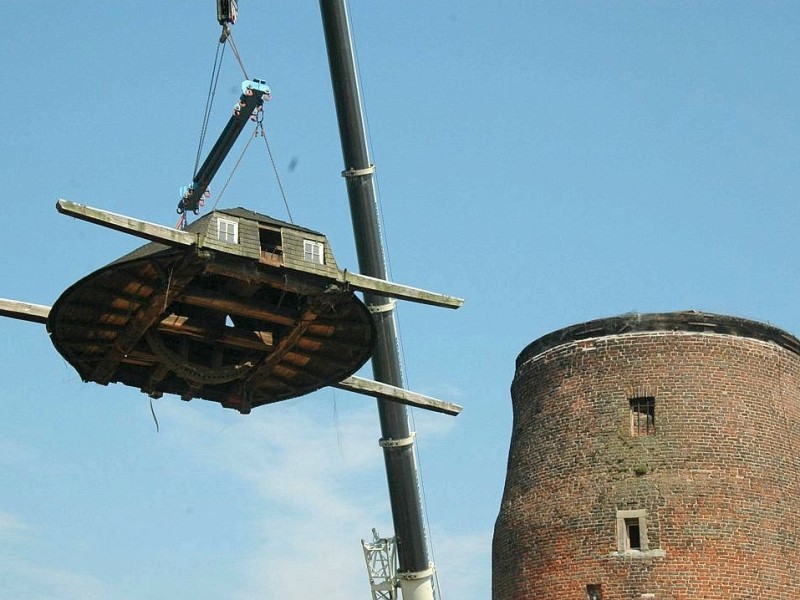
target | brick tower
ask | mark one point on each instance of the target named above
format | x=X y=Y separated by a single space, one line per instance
x=653 y=456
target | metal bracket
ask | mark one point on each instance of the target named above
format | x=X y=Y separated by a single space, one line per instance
x=359 y=172
x=381 y=308
x=414 y=575
x=390 y=443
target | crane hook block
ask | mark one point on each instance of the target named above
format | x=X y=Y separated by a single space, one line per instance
x=227 y=11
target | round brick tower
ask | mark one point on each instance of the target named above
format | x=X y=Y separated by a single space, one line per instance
x=653 y=456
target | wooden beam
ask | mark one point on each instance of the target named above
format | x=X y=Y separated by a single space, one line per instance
x=396 y=394
x=314 y=344
x=24 y=311
x=243 y=308
x=311 y=282
x=185 y=271
x=399 y=291
x=251 y=272
x=287 y=343
x=236 y=337
x=130 y=225
x=157 y=374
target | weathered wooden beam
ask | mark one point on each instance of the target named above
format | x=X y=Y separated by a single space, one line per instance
x=309 y=282
x=396 y=394
x=244 y=308
x=286 y=344
x=100 y=335
x=130 y=225
x=236 y=337
x=252 y=272
x=140 y=359
x=24 y=311
x=157 y=375
x=315 y=345
x=399 y=291
x=144 y=318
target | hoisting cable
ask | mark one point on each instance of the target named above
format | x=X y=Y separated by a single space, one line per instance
x=235 y=166
x=212 y=91
x=229 y=34
x=155 y=418
x=260 y=127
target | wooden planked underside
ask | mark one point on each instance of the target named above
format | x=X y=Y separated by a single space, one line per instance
x=163 y=324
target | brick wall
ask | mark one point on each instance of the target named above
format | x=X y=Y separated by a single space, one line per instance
x=717 y=482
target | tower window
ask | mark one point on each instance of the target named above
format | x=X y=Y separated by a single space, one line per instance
x=632 y=531
x=594 y=592
x=643 y=416
x=312 y=252
x=228 y=231
x=633 y=538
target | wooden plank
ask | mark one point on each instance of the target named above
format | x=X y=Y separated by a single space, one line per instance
x=250 y=272
x=130 y=225
x=396 y=394
x=24 y=311
x=399 y=291
x=309 y=281
x=231 y=336
x=245 y=308
x=285 y=344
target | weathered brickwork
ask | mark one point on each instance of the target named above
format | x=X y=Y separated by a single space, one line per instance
x=718 y=479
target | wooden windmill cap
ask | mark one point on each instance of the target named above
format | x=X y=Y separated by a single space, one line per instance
x=249 y=315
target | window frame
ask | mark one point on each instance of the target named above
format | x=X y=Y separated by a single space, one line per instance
x=625 y=520
x=227 y=229
x=642 y=410
x=314 y=252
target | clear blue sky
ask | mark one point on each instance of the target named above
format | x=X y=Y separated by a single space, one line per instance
x=551 y=162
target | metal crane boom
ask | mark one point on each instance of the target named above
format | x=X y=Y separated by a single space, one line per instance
x=254 y=92
x=415 y=567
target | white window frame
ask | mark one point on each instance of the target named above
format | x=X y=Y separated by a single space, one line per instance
x=314 y=252
x=227 y=231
